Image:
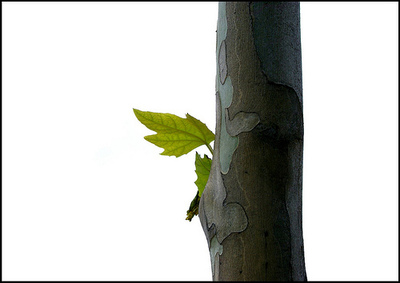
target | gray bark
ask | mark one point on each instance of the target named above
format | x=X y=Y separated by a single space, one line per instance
x=251 y=208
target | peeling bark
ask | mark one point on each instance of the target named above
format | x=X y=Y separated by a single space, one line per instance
x=251 y=208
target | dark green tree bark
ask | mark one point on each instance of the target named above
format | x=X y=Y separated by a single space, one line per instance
x=251 y=208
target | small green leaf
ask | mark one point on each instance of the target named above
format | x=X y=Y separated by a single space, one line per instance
x=176 y=135
x=194 y=208
x=203 y=167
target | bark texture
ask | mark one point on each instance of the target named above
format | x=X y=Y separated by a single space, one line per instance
x=251 y=208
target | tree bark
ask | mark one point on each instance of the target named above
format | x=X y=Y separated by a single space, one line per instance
x=251 y=208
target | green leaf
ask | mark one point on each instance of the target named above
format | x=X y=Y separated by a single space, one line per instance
x=194 y=208
x=176 y=135
x=203 y=167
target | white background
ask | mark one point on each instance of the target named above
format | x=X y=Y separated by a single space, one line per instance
x=85 y=197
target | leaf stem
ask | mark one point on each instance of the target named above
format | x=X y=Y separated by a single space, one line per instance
x=209 y=147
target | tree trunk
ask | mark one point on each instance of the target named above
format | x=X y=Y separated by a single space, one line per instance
x=251 y=208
